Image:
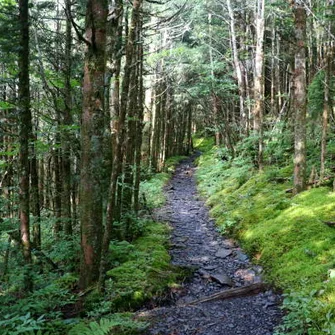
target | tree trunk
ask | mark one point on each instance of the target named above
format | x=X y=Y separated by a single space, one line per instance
x=238 y=70
x=139 y=121
x=300 y=99
x=258 y=109
x=90 y=191
x=67 y=121
x=118 y=125
x=25 y=131
x=35 y=198
x=328 y=57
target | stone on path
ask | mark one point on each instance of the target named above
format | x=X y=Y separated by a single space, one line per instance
x=241 y=256
x=222 y=279
x=223 y=253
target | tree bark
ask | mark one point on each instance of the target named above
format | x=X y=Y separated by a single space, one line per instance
x=258 y=109
x=238 y=70
x=328 y=57
x=300 y=98
x=118 y=125
x=90 y=191
x=25 y=131
x=67 y=121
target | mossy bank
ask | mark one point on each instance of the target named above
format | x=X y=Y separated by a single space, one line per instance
x=285 y=234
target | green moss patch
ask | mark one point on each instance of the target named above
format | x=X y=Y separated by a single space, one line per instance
x=146 y=272
x=152 y=189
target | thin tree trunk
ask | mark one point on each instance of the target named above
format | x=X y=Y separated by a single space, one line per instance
x=68 y=121
x=189 y=144
x=139 y=121
x=328 y=57
x=258 y=109
x=237 y=68
x=24 y=137
x=35 y=198
x=300 y=99
x=118 y=125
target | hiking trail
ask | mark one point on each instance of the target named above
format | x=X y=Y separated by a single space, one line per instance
x=219 y=265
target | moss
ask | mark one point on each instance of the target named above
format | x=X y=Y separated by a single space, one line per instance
x=171 y=162
x=203 y=143
x=152 y=189
x=146 y=273
x=285 y=234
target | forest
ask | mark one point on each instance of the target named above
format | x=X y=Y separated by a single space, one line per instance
x=128 y=127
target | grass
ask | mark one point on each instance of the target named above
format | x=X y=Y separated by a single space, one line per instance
x=285 y=234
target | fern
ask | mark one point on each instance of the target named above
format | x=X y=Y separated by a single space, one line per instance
x=117 y=324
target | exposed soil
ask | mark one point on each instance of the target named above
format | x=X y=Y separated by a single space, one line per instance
x=219 y=265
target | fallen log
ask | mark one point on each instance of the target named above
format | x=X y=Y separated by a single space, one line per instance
x=233 y=293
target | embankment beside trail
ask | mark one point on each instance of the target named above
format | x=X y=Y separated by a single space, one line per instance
x=285 y=234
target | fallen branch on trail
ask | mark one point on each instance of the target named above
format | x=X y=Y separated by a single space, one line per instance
x=233 y=293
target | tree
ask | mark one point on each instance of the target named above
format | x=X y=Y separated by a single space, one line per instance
x=24 y=138
x=299 y=97
x=328 y=53
x=258 y=109
x=92 y=130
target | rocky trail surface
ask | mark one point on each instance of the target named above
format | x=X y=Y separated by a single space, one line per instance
x=220 y=265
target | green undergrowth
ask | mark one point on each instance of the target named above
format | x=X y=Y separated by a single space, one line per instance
x=139 y=270
x=285 y=234
x=145 y=269
x=151 y=188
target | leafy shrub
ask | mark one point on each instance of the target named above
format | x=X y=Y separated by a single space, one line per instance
x=303 y=314
x=14 y=324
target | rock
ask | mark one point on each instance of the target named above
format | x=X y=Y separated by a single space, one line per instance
x=179 y=246
x=181 y=239
x=247 y=275
x=257 y=279
x=222 y=279
x=204 y=274
x=229 y=244
x=241 y=256
x=223 y=253
x=210 y=267
x=258 y=269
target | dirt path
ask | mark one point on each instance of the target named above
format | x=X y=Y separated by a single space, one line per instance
x=220 y=265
